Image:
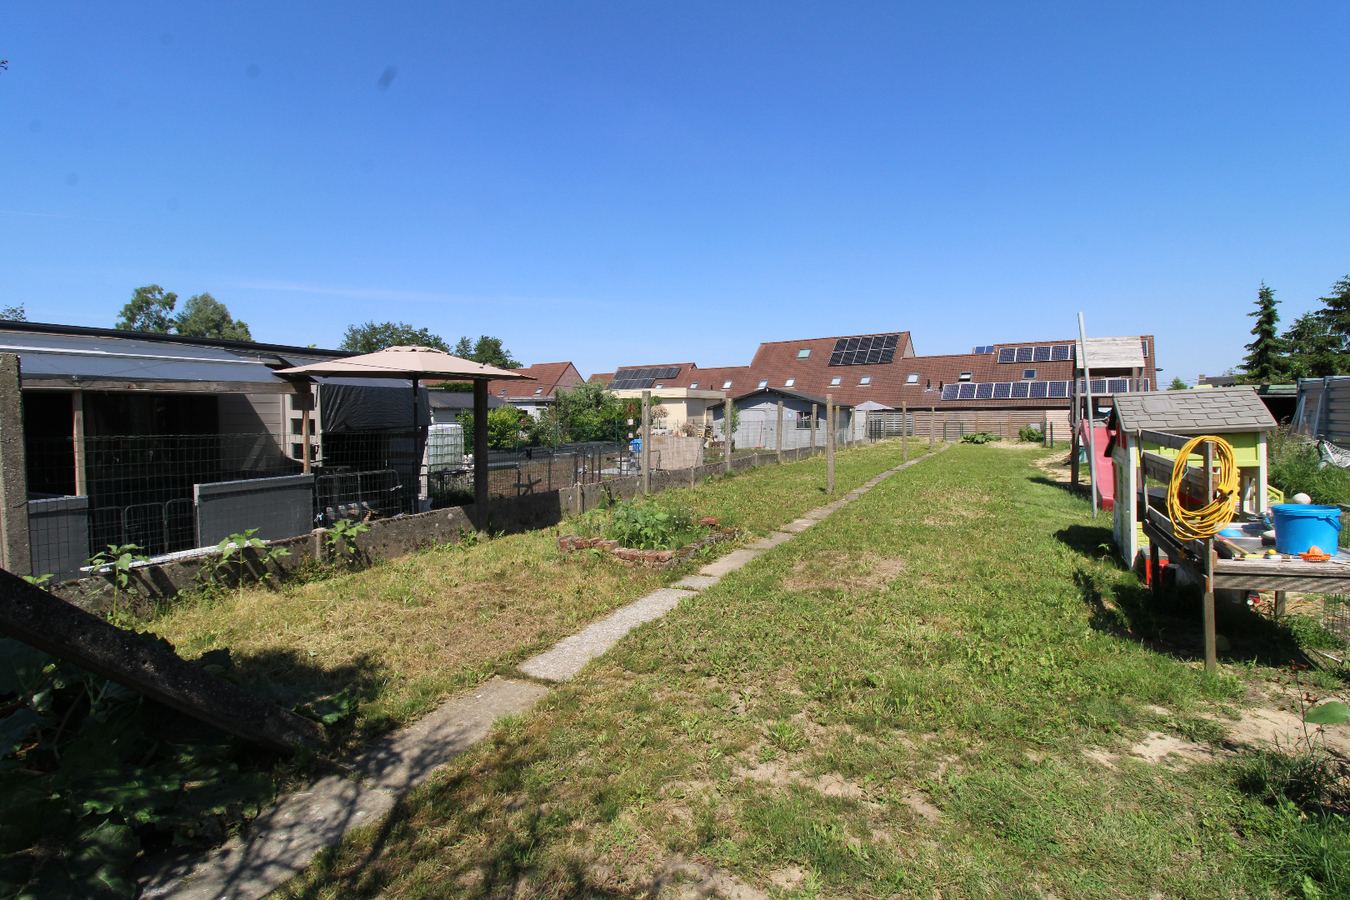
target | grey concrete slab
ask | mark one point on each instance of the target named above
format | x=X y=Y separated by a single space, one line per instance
x=729 y=563
x=797 y=526
x=281 y=843
x=696 y=582
x=568 y=657
x=408 y=758
x=773 y=540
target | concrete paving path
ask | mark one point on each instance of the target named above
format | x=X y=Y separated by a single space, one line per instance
x=283 y=840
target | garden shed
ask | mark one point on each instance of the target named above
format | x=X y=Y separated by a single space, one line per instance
x=1236 y=414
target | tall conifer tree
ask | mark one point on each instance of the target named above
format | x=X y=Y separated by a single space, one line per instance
x=1265 y=355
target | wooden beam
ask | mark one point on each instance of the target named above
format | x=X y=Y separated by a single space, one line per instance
x=54 y=626
x=1165 y=439
x=77 y=436
x=1211 y=642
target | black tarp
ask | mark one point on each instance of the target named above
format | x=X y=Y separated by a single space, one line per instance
x=352 y=404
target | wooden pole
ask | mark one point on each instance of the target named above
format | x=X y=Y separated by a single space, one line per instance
x=831 y=416
x=1091 y=437
x=904 y=433
x=815 y=411
x=306 y=404
x=646 y=455
x=1211 y=644
x=480 y=452
x=77 y=434
x=726 y=434
x=778 y=441
x=1073 y=435
x=932 y=414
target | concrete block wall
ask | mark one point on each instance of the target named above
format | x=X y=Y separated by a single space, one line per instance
x=391 y=538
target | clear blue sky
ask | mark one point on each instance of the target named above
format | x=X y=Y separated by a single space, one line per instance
x=642 y=182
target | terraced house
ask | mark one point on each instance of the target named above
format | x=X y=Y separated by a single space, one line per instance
x=1013 y=383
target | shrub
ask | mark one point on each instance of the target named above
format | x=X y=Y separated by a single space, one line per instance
x=978 y=437
x=647 y=526
x=1030 y=434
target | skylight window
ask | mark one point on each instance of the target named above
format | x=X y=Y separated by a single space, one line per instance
x=660 y=384
x=725 y=385
x=804 y=353
x=837 y=380
x=1028 y=374
x=790 y=382
x=965 y=376
x=866 y=379
x=763 y=384
x=694 y=386
x=912 y=378
x=538 y=391
x=502 y=392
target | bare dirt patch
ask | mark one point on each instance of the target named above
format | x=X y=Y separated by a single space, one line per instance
x=682 y=879
x=844 y=571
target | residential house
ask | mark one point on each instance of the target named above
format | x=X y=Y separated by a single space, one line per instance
x=534 y=397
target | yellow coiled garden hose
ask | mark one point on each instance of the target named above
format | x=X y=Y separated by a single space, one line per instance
x=1198 y=524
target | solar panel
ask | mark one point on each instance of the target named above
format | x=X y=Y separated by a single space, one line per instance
x=876 y=349
x=1019 y=390
x=967 y=391
x=1003 y=390
x=1024 y=354
x=1118 y=385
x=984 y=390
x=1007 y=355
x=1042 y=354
x=1099 y=385
x=1059 y=389
x=1039 y=390
x=641 y=379
x=949 y=391
x=1060 y=352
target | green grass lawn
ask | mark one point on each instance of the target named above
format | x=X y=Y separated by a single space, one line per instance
x=931 y=694
x=406 y=633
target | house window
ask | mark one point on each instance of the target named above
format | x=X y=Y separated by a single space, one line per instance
x=804 y=353
x=912 y=378
x=1028 y=374
x=837 y=380
x=965 y=376
x=866 y=379
x=1145 y=345
x=694 y=386
x=763 y=384
x=790 y=382
x=502 y=392
x=725 y=385
x=538 y=391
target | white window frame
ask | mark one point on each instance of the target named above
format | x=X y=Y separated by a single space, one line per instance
x=763 y=383
x=725 y=385
x=804 y=353
x=790 y=382
x=965 y=377
x=694 y=386
x=866 y=379
x=912 y=378
x=836 y=381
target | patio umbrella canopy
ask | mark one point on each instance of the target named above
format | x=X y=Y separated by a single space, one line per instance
x=417 y=363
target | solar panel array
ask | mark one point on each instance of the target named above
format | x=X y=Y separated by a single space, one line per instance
x=1054 y=353
x=1035 y=390
x=984 y=348
x=864 y=351
x=641 y=379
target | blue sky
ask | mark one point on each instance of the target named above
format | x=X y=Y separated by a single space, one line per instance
x=637 y=182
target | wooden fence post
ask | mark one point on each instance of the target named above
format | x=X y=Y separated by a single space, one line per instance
x=932 y=415
x=814 y=412
x=726 y=435
x=646 y=443
x=831 y=417
x=15 y=551
x=904 y=433
x=778 y=441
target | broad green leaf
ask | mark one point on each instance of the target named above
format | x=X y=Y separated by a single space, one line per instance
x=16 y=728
x=1333 y=712
x=21 y=667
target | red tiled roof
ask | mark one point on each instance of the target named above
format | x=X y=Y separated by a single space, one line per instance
x=602 y=377
x=549 y=377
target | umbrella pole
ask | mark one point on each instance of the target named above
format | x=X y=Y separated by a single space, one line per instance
x=480 y=452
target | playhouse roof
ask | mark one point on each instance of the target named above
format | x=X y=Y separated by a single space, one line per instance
x=1225 y=410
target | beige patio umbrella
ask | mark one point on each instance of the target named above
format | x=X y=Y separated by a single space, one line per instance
x=417 y=363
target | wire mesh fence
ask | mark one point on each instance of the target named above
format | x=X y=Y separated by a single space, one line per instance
x=174 y=494
x=1336 y=615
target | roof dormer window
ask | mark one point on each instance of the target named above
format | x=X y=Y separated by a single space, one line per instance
x=965 y=376
x=763 y=384
x=538 y=391
x=790 y=382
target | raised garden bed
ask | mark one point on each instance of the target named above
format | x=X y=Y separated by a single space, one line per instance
x=651 y=559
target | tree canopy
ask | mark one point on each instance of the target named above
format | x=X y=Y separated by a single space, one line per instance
x=372 y=338
x=151 y=309
x=1265 y=354
x=486 y=350
x=14 y=313
x=1177 y=384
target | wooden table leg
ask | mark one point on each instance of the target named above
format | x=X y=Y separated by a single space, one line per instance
x=1155 y=572
x=1279 y=605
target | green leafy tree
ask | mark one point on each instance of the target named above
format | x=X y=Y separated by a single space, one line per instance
x=13 y=313
x=486 y=350
x=205 y=316
x=150 y=309
x=1177 y=384
x=508 y=428
x=372 y=338
x=588 y=412
x=1265 y=354
x=1314 y=352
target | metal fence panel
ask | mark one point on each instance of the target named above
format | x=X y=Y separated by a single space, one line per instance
x=277 y=507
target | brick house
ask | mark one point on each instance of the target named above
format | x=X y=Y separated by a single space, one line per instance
x=536 y=396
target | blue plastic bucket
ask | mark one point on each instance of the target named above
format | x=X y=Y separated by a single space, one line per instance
x=1299 y=526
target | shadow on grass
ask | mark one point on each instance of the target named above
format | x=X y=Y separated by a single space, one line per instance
x=1124 y=608
x=486 y=845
